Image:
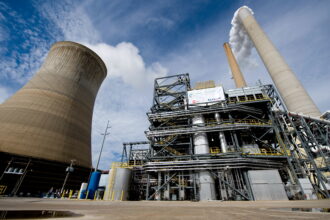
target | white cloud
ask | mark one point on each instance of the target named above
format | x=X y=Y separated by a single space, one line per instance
x=124 y=98
x=69 y=20
x=125 y=94
x=125 y=61
x=4 y=93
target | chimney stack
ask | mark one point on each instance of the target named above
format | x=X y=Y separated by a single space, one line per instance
x=291 y=90
x=235 y=70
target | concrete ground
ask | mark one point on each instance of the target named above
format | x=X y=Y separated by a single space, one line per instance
x=145 y=210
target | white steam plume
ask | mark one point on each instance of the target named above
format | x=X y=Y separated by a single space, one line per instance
x=240 y=42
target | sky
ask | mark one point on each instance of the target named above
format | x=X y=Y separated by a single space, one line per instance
x=140 y=40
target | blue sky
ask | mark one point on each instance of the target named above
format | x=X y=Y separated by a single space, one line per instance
x=141 y=40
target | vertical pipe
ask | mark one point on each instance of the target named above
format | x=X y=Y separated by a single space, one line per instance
x=201 y=146
x=195 y=190
x=168 y=186
x=222 y=137
x=148 y=185
x=293 y=93
x=235 y=70
x=159 y=185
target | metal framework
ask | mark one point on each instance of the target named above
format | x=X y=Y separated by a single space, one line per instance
x=259 y=132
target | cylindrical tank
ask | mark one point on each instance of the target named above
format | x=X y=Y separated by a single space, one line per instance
x=50 y=117
x=119 y=183
x=93 y=184
x=201 y=146
x=82 y=191
x=293 y=93
x=206 y=186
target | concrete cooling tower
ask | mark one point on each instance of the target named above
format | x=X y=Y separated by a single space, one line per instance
x=50 y=117
x=293 y=93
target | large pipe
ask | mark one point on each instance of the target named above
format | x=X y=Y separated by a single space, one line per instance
x=235 y=70
x=201 y=146
x=222 y=137
x=293 y=93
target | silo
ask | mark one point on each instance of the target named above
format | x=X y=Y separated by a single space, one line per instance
x=50 y=117
x=291 y=90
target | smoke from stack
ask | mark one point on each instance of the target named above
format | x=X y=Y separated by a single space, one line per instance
x=240 y=41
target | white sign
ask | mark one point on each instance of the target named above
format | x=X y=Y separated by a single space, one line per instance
x=206 y=96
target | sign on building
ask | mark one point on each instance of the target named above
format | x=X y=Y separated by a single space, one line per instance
x=206 y=96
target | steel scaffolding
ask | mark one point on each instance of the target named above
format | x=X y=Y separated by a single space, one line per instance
x=260 y=135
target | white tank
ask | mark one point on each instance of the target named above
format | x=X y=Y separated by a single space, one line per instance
x=118 y=185
x=201 y=146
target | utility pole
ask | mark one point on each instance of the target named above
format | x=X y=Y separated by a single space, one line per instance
x=68 y=170
x=104 y=136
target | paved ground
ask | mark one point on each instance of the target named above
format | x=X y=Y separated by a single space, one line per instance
x=265 y=210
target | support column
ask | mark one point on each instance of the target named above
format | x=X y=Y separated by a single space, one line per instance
x=158 y=195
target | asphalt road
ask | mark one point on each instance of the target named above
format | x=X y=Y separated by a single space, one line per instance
x=145 y=210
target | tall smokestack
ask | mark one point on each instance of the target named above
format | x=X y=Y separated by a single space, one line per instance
x=50 y=117
x=235 y=70
x=293 y=93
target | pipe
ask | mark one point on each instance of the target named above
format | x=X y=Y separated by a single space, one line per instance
x=309 y=117
x=306 y=117
x=235 y=70
x=222 y=137
x=291 y=90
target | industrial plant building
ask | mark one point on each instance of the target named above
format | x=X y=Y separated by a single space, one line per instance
x=207 y=142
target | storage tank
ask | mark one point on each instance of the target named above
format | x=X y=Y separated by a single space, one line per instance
x=50 y=117
x=201 y=146
x=293 y=93
x=93 y=184
x=119 y=183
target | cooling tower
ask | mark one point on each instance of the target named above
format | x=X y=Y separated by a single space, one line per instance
x=293 y=93
x=50 y=117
